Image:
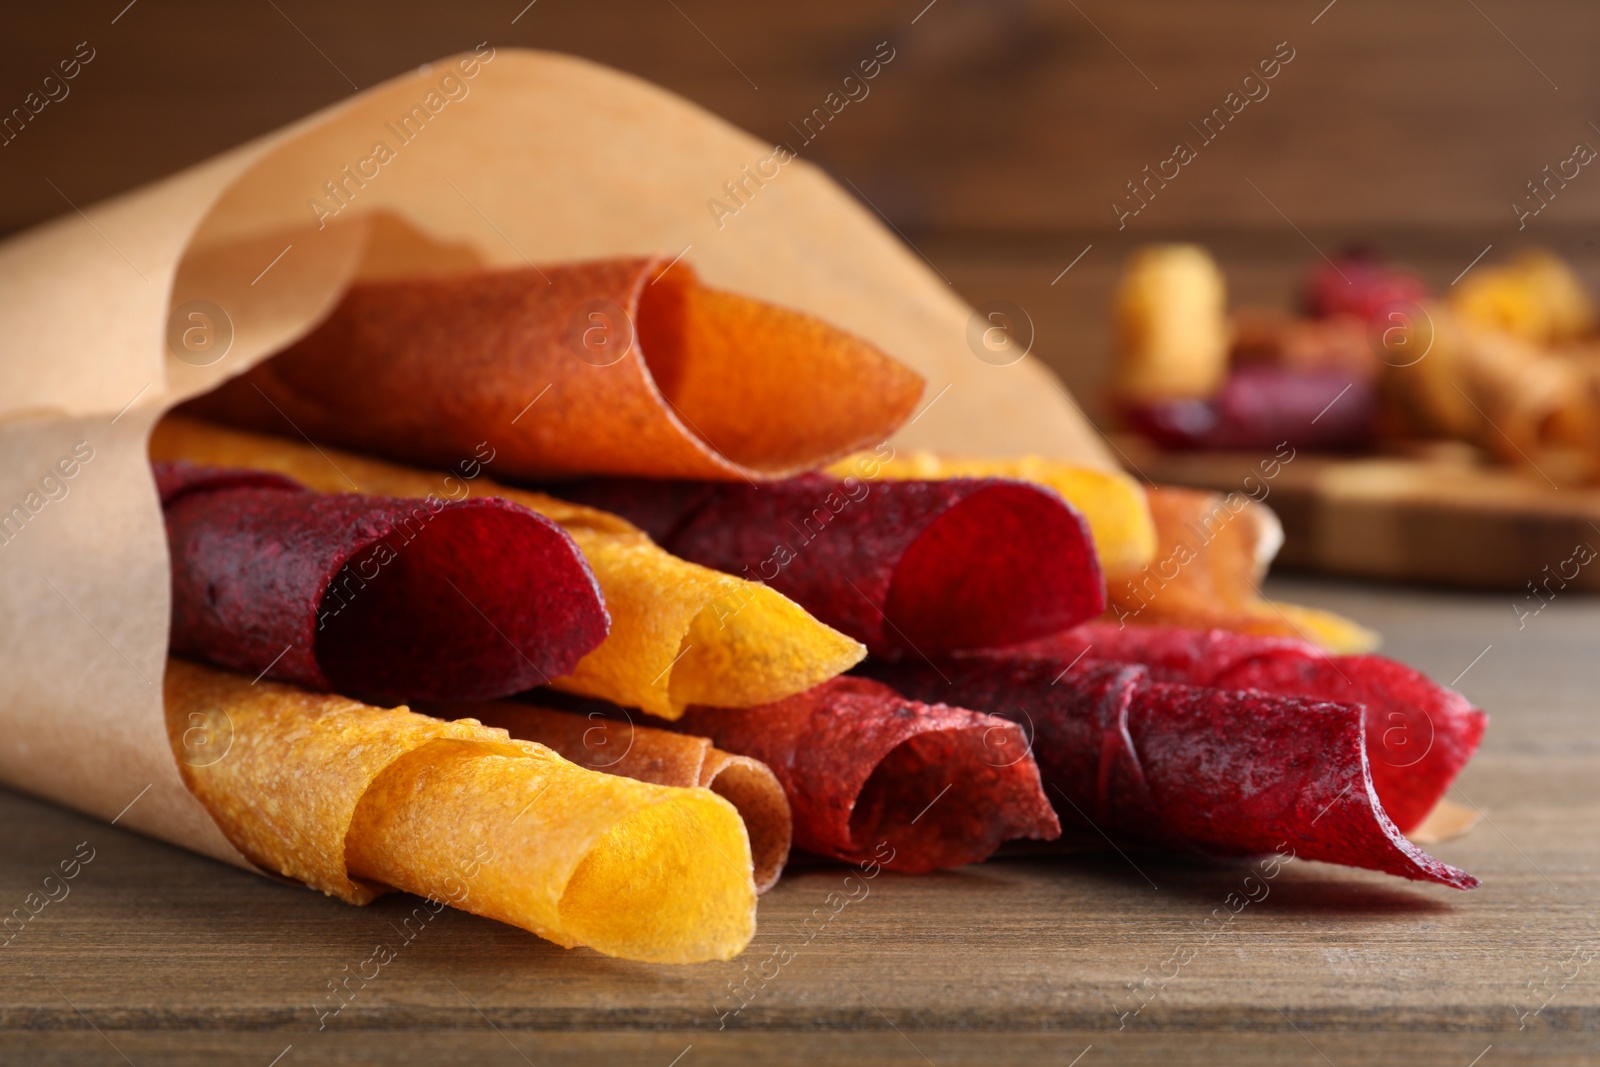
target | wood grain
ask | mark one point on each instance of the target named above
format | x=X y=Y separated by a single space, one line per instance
x=1016 y=115
x=176 y=959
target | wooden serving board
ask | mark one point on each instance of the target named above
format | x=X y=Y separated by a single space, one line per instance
x=1437 y=520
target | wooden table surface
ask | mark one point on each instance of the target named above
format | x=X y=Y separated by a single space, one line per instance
x=158 y=956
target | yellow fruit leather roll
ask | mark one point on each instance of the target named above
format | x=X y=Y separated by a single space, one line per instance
x=681 y=634
x=660 y=756
x=354 y=800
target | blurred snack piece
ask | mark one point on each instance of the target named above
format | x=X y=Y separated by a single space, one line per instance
x=1508 y=364
x=1272 y=338
x=1260 y=407
x=1188 y=377
x=1360 y=284
x=1521 y=403
x=1171 y=325
x=1535 y=296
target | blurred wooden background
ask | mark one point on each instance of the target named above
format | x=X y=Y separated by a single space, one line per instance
x=996 y=140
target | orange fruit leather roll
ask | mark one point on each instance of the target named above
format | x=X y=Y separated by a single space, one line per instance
x=659 y=756
x=681 y=634
x=635 y=366
x=354 y=800
x=1110 y=502
x=1213 y=552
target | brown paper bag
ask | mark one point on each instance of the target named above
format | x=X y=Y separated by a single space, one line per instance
x=113 y=314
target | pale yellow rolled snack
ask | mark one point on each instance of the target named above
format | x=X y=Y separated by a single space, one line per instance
x=681 y=634
x=1111 y=503
x=659 y=756
x=1170 y=317
x=352 y=800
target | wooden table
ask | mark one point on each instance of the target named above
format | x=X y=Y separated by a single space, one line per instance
x=158 y=956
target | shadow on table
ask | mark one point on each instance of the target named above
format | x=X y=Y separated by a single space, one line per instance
x=1301 y=887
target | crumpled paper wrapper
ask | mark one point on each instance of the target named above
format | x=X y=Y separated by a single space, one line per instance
x=112 y=315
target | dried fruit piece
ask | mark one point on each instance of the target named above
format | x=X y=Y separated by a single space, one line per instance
x=1206 y=771
x=862 y=765
x=961 y=563
x=1260 y=408
x=620 y=746
x=636 y=368
x=1213 y=553
x=1360 y=283
x=387 y=598
x=352 y=800
x=1536 y=296
x=1419 y=733
x=1110 y=502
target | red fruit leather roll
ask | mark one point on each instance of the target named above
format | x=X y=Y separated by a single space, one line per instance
x=1213 y=772
x=1263 y=407
x=375 y=597
x=1419 y=733
x=862 y=765
x=930 y=565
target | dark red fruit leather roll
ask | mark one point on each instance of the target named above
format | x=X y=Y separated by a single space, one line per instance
x=862 y=765
x=1212 y=772
x=1259 y=408
x=386 y=599
x=1419 y=733
x=930 y=565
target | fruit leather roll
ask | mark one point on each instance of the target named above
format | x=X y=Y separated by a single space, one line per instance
x=1213 y=772
x=1419 y=733
x=355 y=800
x=378 y=596
x=898 y=565
x=625 y=366
x=1212 y=552
x=1111 y=503
x=680 y=633
x=651 y=755
x=862 y=765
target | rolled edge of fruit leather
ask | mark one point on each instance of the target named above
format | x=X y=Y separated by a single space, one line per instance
x=1419 y=733
x=1210 y=772
x=636 y=366
x=382 y=597
x=352 y=800
x=1111 y=502
x=864 y=766
x=621 y=746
